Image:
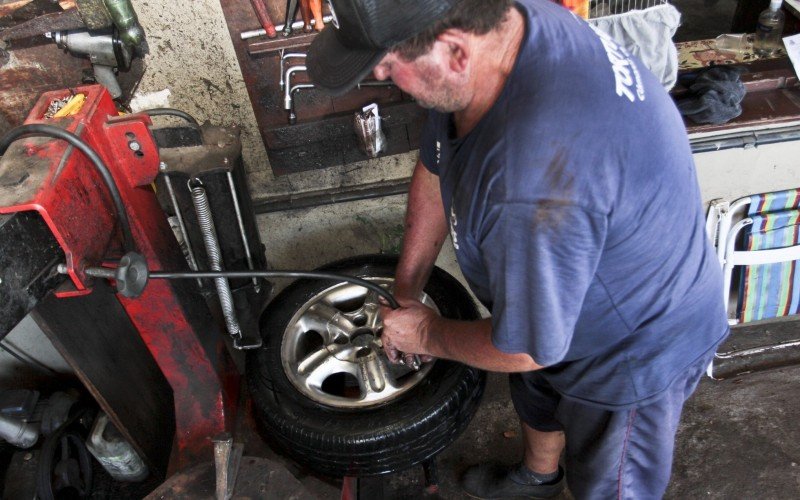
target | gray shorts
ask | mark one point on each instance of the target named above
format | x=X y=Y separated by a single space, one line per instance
x=610 y=454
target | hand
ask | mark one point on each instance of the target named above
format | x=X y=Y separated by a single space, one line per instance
x=407 y=330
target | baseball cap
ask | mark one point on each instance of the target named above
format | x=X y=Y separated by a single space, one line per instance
x=361 y=33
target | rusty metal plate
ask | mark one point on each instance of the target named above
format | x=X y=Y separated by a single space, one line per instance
x=220 y=150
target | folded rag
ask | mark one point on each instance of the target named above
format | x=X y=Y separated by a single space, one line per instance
x=716 y=94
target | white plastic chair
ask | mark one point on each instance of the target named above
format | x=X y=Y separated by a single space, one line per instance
x=724 y=233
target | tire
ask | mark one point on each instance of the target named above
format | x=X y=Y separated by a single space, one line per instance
x=343 y=433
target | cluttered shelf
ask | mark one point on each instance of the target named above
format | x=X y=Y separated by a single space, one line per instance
x=771 y=87
x=305 y=129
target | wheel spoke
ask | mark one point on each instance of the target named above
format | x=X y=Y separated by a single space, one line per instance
x=321 y=364
x=371 y=375
x=328 y=321
x=371 y=309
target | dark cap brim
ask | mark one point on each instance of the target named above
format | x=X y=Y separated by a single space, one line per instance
x=335 y=68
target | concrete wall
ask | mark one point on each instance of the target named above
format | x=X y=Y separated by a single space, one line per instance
x=735 y=173
x=35 y=362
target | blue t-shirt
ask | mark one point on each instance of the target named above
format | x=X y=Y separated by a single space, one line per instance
x=575 y=213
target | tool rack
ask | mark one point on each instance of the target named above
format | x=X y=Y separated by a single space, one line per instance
x=321 y=133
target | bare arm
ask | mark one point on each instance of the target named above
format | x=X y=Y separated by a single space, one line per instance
x=425 y=231
x=417 y=328
x=414 y=328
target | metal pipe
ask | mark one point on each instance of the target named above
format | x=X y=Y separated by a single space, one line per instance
x=757 y=350
x=242 y=231
x=246 y=35
x=746 y=141
x=284 y=57
x=287 y=92
x=369 y=285
x=206 y=223
x=19 y=434
x=181 y=224
x=288 y=99
x=297 y=87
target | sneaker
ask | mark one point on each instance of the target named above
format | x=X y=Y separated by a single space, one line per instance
x=490 y=481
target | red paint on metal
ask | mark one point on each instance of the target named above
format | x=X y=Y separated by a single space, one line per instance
x=174 y=323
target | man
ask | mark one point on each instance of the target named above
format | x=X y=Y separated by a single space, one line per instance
x=563 y=173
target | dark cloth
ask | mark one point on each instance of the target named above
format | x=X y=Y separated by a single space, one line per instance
x=716 y=94
x=623 y=454
x=575 y=211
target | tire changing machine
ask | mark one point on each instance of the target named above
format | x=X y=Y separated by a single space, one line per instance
x=157 y=364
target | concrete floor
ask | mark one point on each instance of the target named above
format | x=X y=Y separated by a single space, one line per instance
x=739 y=438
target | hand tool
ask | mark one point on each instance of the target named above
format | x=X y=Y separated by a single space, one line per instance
x=287 y=85
x=289 y=90
x=246 y=35
x=94 y=15
x=289 y=24
x=123 y=17
x=316 y=12
x=305 y=13
x=284 y=57
x=106 y=31
x=263 y=17
x=105 y=50
x=291 y=99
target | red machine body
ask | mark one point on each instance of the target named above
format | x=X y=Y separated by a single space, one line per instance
x=50 y=177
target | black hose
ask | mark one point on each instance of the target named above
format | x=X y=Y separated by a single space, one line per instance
x=278 y=274
x=172 y=112
x=37 y=129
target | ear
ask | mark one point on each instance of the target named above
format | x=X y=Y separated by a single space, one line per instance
x=458 y=48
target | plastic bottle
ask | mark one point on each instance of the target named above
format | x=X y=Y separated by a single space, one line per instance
x=769 y=30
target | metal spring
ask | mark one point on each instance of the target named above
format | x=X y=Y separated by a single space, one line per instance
x=206 y=223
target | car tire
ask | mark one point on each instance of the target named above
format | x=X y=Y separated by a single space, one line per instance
x=338 y=430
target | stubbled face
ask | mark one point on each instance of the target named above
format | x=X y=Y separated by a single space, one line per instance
x=428 y=79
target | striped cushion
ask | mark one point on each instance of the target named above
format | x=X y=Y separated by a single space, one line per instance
x=770 y=290
x=773 y=202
